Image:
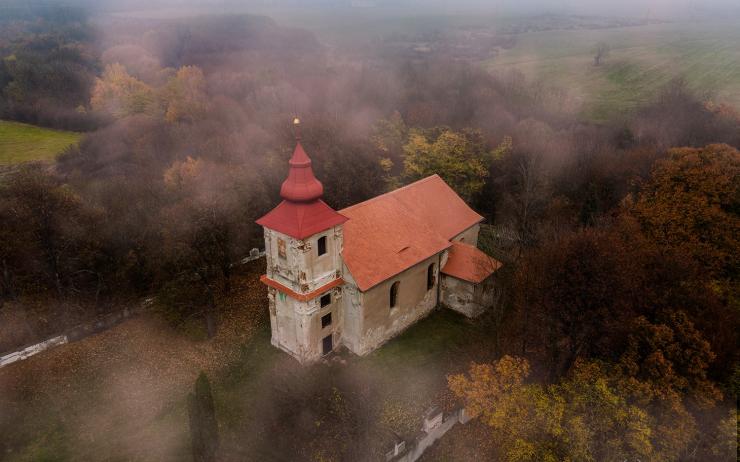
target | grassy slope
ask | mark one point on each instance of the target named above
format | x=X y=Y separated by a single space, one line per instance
x=21 y=142
x=641 y=61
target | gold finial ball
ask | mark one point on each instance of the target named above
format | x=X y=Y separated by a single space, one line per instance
x=296 y=121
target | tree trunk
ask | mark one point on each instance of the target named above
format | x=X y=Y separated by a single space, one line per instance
x=226 y=270
x=554 y=353
x=49 y=244
x=211 y=314
x=7 y=284
x=573 y=352
x=526 y=315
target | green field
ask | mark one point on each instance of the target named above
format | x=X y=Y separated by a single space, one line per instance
x=641 y=61
x=22 y=143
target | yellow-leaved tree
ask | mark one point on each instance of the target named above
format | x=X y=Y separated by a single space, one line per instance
x=185 y=95
x=461 y=158
x=120 y=94
x=584 y=417
x=691 y=203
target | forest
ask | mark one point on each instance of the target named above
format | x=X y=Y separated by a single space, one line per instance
x=615 y=333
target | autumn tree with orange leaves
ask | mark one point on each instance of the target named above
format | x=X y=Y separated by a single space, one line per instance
x=691 y=203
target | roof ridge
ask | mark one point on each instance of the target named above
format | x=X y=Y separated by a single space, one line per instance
x=391 y=193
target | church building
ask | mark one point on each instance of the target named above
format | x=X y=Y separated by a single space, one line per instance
x=357 y=277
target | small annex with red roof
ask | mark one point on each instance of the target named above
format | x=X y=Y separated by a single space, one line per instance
x=359 y=276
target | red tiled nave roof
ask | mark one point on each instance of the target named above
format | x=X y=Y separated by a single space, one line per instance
x=392 y=232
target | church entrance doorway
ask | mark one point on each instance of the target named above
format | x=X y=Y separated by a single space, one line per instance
x=327 y=345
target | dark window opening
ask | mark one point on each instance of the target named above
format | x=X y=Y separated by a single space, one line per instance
x=327 y=345
x=430 y=276
x=325 y=300
x=322 y=245
x=326 y=320
x=394 y=294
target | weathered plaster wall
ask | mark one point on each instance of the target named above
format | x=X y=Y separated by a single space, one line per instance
x=378 y=322
x=296 y=325
x=484 y=293
x=302 y=269
x=465 y=297
x=351 y=313
x=320 y=270
x=469 y=236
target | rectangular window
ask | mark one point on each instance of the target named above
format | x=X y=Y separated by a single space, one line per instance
x=325 y=300
x=322 y=245
x=281 y=248
x=326 y=320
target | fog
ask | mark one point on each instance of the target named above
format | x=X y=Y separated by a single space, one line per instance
x=662 y=9
x=563 y=112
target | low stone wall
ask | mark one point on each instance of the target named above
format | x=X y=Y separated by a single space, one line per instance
x=31 y=350
x=74 y=334
x=254 y=254
x=435 y=425
x=98 y=325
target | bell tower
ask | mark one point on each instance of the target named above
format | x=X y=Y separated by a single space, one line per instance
x=303 y=243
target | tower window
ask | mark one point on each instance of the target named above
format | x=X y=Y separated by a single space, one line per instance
x=430 y=277
x=281 y=248
x=325 y=300
x=394 y=294
x=326 y=320
x=321 y=245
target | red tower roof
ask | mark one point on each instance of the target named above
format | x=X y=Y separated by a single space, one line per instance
x=302 y=213
x=301 y=185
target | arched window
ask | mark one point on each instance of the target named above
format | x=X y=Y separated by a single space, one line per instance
x=430 y=277
x=394 y=293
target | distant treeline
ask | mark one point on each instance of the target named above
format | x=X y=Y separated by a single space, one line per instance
x=48 y=64
x=52 y=12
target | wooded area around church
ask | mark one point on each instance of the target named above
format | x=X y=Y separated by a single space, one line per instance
x=615 y=333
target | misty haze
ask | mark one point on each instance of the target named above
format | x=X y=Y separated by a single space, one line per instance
x=369 y=230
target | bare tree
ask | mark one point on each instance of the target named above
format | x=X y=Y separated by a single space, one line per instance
x=600 y=53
